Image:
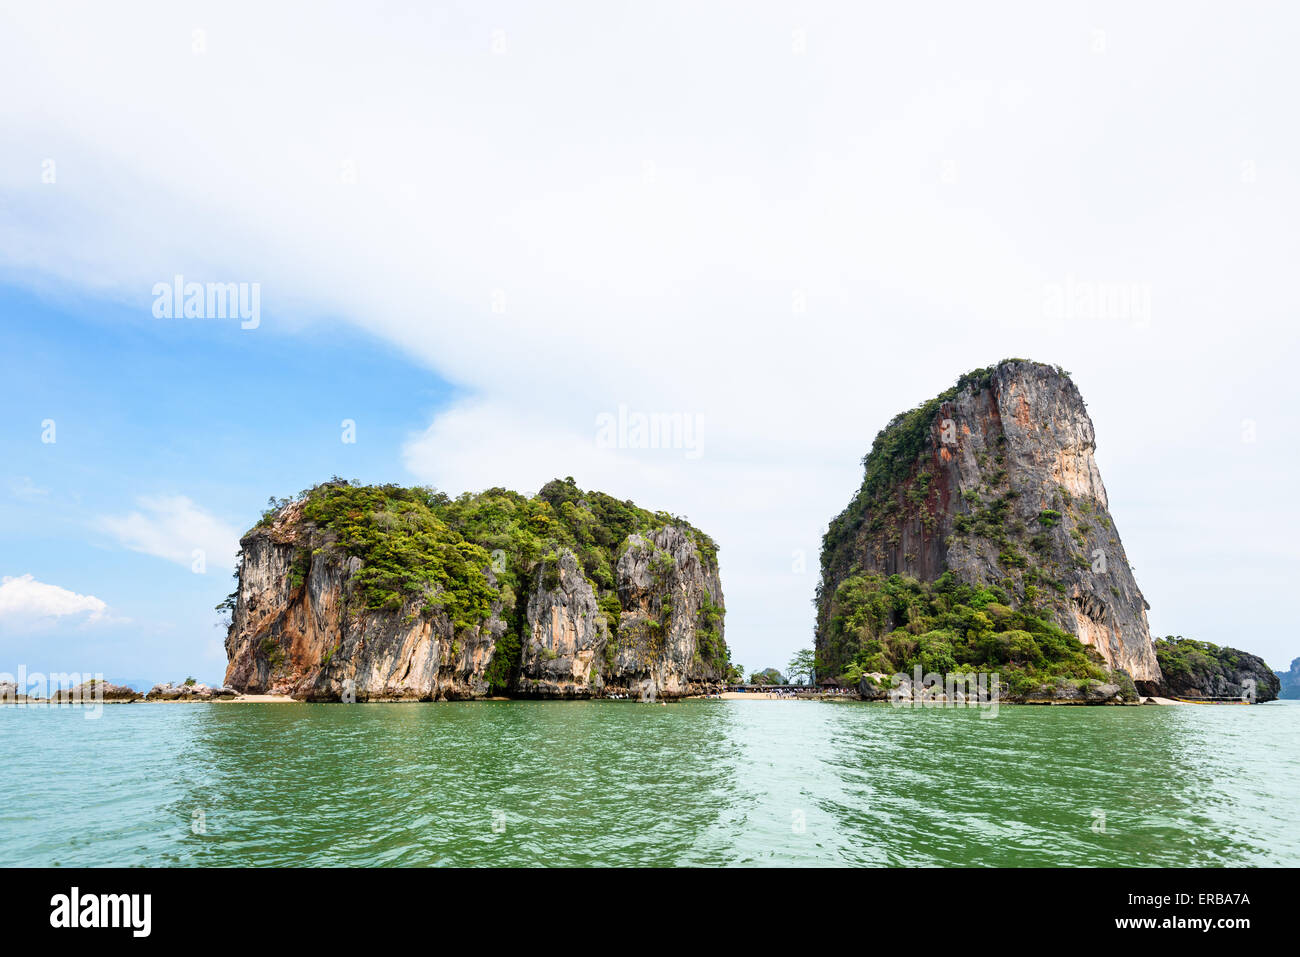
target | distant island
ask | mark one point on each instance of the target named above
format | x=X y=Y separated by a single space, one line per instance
x=386 y=593
x=1290 y=681
x=981 y=539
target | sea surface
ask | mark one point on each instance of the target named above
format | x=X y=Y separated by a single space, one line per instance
x=624 y=783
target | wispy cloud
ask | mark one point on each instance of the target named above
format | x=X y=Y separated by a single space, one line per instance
x=174 y=528
x=24 y=599
x=25 y=489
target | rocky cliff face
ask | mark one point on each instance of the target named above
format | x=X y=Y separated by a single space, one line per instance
x=309 y=621
x=1199 y=669
x=567 y=635
x=672 y=609
x=298 y=628
x=995 y=481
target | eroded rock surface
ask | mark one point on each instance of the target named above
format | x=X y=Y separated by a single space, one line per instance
x=567 y=634
x=668 y=594
x=300 y=627
x=996 y=481
x=305 y=635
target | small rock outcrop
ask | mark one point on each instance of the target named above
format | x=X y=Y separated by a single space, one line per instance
x=1092 y=692
x=188 y=691
x=1198 y=669
x=90 y=691
x=871 y=687
x=877 y=686
x=96 y=690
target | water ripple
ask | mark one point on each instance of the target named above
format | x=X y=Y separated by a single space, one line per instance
x=619 y=783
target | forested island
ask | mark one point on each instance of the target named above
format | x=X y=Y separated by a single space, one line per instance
x=392 y=593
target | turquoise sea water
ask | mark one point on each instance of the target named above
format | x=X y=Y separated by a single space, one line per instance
x=623 y=783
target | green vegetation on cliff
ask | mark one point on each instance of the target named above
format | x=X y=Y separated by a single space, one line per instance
x=1185 y=659
x=406 y=549
x=522 y=533
x=463 y=555
x=1201 y=669
x=891 y=625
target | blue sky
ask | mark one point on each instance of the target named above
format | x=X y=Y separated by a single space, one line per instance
x=479 y=228
x=148 y=407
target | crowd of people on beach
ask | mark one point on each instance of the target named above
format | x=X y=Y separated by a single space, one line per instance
x=809 y=692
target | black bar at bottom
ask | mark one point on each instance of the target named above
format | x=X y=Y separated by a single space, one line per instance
x=778 y=906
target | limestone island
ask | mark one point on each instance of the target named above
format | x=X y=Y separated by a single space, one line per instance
x=384 y=593
x=981 y=540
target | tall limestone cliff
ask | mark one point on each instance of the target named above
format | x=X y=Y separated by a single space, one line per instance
x=994 y=482
x=389 y=593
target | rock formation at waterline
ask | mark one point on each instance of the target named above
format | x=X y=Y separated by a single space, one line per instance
x=1192 y=670
x=994 y=482
x=389 y=593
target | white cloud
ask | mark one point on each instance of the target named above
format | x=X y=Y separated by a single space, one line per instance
x=24 y=599
x=628 y=207
x=174 y=528
x=25 y=489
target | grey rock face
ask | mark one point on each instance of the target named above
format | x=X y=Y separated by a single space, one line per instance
x=314 y=642
x=874 y=686
x=1065 y=692
x=306 y=641
x=666 y=590
x=567 y=635
x=1005 y=490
